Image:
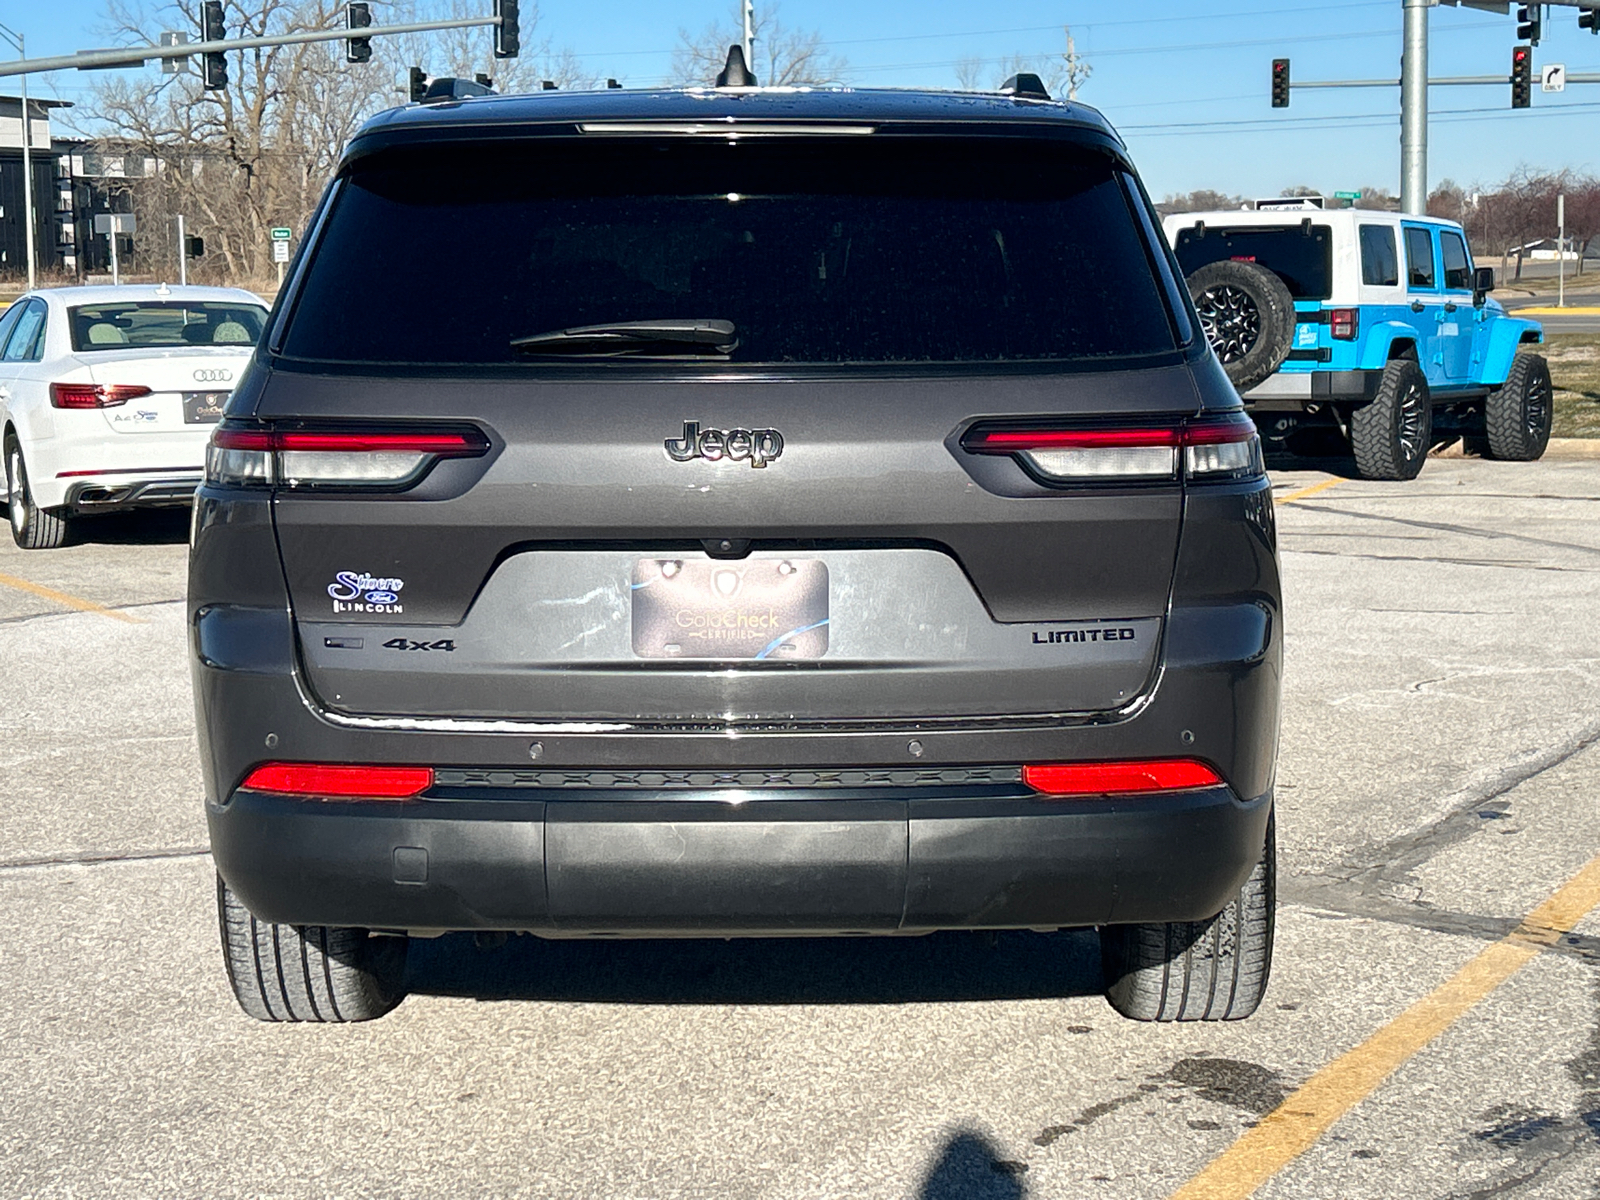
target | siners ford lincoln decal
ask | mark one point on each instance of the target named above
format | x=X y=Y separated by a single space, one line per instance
x=758 y=446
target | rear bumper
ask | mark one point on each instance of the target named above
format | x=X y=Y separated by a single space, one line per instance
x=1293 y=389
x=886 y=862
x=109 y=493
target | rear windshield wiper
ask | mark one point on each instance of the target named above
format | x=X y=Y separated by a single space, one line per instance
x=635 y=339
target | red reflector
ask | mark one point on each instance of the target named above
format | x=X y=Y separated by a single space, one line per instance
x=94 y=395
x=325 y=779
x=1117 y=778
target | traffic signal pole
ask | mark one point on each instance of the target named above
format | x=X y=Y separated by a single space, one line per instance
x=138 y=55
x=1414 y=84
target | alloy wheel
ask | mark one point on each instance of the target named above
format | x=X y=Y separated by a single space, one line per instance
x=1230 y=319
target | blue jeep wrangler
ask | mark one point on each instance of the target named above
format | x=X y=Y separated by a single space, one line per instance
x=1373 y=324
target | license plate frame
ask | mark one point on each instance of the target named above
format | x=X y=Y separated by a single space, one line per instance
x=203 y=408
x=760 y=609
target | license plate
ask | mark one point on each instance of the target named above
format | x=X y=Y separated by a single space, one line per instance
x=203 y=408
x=766 y=608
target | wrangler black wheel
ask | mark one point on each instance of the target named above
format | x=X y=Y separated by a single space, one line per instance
x=1390 y=434
x=1248 y=317
x=1518 y=415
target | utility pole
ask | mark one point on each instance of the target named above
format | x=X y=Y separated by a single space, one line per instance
x=749 y=10
x=1561 y=251
x=1078 y=69
x=21 y=43
x=1414 y=109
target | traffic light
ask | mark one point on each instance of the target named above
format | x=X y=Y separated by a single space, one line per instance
x=357 y=15
x=1530 y=17
x=1521 y=76
x=213 y=66
x=419 y=84
x=1589 y=18
x=194 y=247
x=507 y=39
x=1280 y=83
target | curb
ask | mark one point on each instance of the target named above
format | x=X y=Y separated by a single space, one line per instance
x=1558 y=448
x=1550 y=310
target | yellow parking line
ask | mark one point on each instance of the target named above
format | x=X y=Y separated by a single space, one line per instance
x=1295 y=1125
x=77 y=602
x=1307 y=491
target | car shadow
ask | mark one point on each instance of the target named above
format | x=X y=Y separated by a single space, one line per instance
x=151 y=527
x=1342 y=465
x=1010 y=965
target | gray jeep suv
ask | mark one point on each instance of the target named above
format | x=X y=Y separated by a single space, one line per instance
x=736 y=512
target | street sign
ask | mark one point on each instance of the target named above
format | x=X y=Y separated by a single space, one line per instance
x=174 y=66
x=1281 y=203
x=282 y=235
x=280 y=251
x=1553 y=77
x=114 y=223
x=1347 y=195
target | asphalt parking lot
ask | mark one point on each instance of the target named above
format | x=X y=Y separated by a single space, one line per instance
x=1440 y=766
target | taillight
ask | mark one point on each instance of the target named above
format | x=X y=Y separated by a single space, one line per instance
x=1212 y=447
x=341 y=782
x=94 y=395
x=1344 y=323
x=360 y=458
x=1119 y=778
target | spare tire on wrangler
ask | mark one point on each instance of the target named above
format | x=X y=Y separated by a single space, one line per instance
x=1248 y=317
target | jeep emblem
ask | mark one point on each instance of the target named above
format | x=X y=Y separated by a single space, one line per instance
x=760 y=446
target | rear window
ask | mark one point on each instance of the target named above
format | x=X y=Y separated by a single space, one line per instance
x=1300 y=255
x=165 y=323
x=818 y=250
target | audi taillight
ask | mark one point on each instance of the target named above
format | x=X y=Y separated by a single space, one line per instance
x=1119 y=778
x=1205 y=448
x=329 y=781
x=1344 y=323
x=94 y=395
x=341 y=458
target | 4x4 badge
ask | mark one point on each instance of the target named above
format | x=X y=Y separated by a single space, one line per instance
x=759 y=446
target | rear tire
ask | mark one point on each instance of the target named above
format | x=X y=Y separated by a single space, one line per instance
x=1248 y=317
x=32 y=527
x=1518 y=415
x=308 y=972
x=1214 y=970
x=1391 y=434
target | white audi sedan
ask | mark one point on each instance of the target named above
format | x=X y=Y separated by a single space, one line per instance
x=108 y=396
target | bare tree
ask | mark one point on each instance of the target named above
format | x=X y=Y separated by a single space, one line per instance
x=783 y=57
x=1061 y=74
x=1203 y=200
x=1583 y=215
x=256 y=155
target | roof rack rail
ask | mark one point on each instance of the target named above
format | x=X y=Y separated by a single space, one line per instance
x=1025 y=85
x=736 y=74
x=448 y=87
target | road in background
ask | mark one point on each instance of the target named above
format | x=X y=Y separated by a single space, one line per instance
x=1441 y=753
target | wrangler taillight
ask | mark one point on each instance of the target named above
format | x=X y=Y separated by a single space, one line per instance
x=1344 y=323
x=94 y=395
x=383 y=459
x=1203 y=447
x=339 y=781
x=1119 y=778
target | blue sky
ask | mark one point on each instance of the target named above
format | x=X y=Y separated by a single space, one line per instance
x=1187 y=84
